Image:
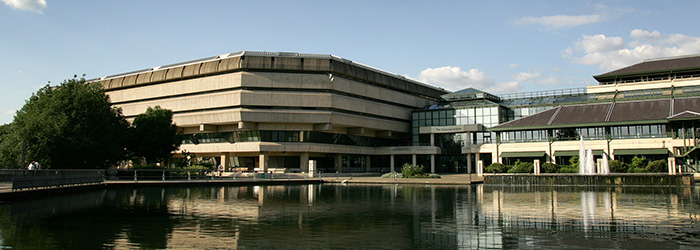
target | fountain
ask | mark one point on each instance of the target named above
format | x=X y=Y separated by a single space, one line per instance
x=586 y=161
x=588 y=176
x=604 y=167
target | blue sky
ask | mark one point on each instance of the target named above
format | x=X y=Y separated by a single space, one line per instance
x=496 y=46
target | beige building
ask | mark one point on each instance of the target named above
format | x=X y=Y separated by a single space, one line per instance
x=277 y=111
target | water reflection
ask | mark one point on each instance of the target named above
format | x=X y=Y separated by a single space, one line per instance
x=357 y=216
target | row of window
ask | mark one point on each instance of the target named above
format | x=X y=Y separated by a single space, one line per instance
x=289 y=136
x=593 y=133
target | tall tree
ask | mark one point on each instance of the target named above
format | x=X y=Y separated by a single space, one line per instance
x=153 y=135
x=72 y=125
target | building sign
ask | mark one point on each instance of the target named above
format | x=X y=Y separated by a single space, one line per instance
x=452 y=129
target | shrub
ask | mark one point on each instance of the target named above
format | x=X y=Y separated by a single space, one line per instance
x=573 y=161
x=658 y=166
x=549 y=167
x=391 y=175
x=637 y=170
x=639 y=162
x=568 y=169
x=497 y=168
x=617 y=166
x=522 y=167
x=151 y=166
x=412 y=171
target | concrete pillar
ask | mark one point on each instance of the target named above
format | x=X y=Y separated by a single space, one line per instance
x=432 y=139
x=479 y=167
x=469 y=163
x=413 y=160
x=672 y=165
x=536 y=163
x=224 y=160
x=338 y=163
x=263 y=162
x=304 y=161
x=391 y=163
x=432 y=164
x=368 y=164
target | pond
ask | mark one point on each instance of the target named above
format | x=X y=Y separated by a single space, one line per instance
x=356 y=216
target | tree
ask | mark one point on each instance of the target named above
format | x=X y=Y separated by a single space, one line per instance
x=72 y=125
x=153 y=135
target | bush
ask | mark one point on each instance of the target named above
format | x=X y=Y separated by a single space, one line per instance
x=639 y=163
x=617 y=166
x=637 y=170
x=658 y=166
x=150 y=166
x=522 y=167
x=412 y=171
x=497 y=168
x=391 y=175
x=573 y=161
x=549 y=167
x=568 y=169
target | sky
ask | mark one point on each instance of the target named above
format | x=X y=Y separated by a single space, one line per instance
x=498 y=46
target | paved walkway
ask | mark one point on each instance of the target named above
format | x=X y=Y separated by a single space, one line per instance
x=446 y=179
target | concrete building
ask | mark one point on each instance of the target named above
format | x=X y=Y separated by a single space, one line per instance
x=279 y=111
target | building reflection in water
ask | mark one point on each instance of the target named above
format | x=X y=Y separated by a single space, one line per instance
x=395 y=216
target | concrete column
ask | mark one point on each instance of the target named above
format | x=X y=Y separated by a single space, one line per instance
x=391 y=163
x=672 y=165
x=432 y=164
x=304 y=161
x=338 y=163
x=536 y=164
x=469 y=163
x=263 y=162
x=413 y=159
x=479 y=167
x=224 y=160
x=432 y=139
x=368 y=164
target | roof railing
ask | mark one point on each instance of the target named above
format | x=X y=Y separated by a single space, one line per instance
x=670 y=78
x=545 y=93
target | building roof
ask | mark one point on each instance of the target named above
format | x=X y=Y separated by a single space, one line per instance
x=268 y=61
x=661 y=65
x=609 y=113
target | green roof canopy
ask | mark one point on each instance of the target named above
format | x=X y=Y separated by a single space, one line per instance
x=535 y=154
x=642 y=151
x=575 y=152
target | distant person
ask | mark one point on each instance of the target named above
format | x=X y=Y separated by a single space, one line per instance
x=31 y=166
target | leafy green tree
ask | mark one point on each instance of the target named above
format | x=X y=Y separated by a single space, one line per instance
x=549 y=167
x=638 y=165
x=617 y=166
x=153 y=135
x=658 y=166
x=72 y=125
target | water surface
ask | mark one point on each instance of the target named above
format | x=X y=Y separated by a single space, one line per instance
x=357 y=217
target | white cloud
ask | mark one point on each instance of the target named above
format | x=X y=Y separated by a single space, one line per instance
x=454 y=78
x=611 y=53
x=560 y=21
x=526 y=76
x=30 y=5
x=549 y=80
